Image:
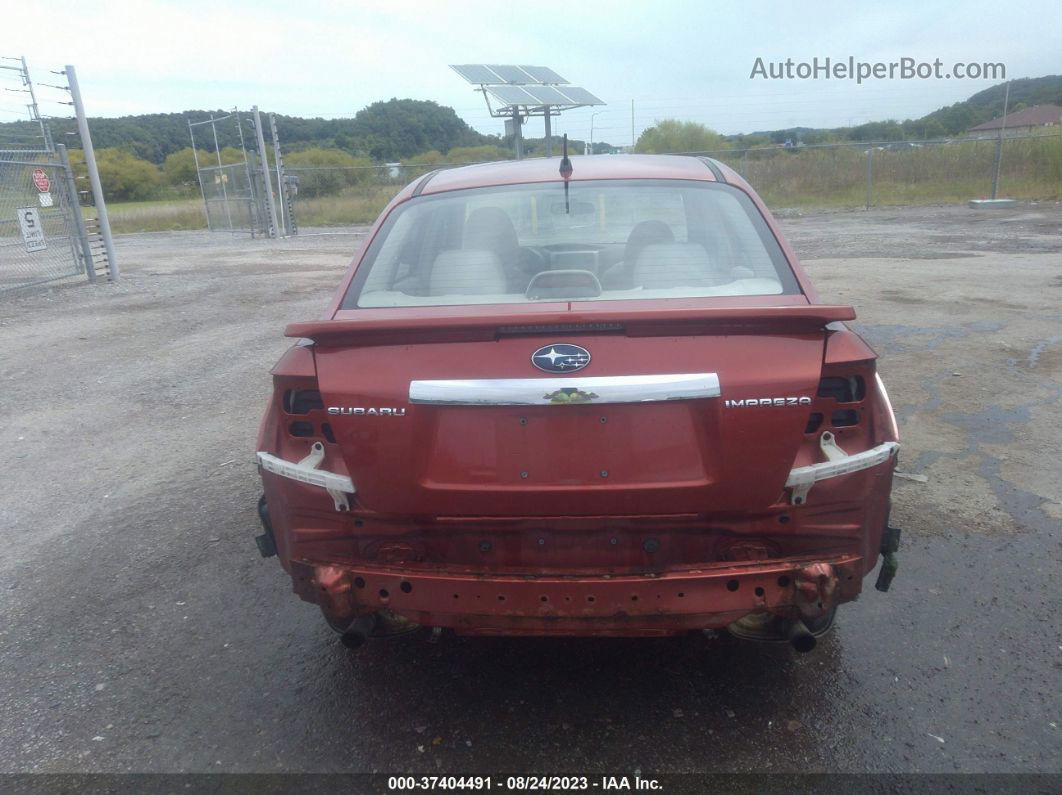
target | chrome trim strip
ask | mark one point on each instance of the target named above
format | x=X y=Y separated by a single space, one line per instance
x=542 y=391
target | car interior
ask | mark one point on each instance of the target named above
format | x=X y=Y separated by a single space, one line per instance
x=459 y=253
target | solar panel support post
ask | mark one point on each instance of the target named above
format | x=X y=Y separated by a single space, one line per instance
x=549 y=134
x=518 y=141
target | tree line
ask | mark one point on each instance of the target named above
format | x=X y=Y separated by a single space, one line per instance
x=149 y=156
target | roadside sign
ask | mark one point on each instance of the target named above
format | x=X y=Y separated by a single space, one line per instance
x=40 y=179
x=45 y=199
x=29 y=221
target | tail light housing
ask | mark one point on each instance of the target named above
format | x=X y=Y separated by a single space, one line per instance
x=298 y=418
x=850 y=400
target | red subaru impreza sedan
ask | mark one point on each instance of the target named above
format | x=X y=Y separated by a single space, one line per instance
x=594 y=399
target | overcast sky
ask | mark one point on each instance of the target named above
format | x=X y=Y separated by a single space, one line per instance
x=683 y=60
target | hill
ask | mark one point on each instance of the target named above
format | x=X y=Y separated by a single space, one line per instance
x=942 y=123
x=391 y=130
x=401 y=129
x=988 y=104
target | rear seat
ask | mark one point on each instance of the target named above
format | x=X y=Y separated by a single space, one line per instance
x=663 y=265
x=467 y=271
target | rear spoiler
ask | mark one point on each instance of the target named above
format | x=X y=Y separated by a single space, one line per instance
x=471 y=323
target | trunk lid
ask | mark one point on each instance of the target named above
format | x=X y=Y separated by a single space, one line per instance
x=720 y=453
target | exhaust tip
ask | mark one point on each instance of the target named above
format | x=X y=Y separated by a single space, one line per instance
x=357 y=634
x=800 y=637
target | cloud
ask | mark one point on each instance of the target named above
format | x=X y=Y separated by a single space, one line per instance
x=330 y=58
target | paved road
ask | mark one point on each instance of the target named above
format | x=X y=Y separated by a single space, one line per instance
x=139 y=631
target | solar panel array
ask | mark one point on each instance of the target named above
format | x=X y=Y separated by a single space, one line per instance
x=483 y=74
x=524 y=86
x=556 y=96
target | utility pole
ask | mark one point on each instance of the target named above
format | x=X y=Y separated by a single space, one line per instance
x=592 y=115
x=633 y=142
x=93 y=172
x=870 y=177
x=267 y=182
x=999 y=142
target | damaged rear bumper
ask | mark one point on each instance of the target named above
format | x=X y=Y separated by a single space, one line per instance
x=709 y=598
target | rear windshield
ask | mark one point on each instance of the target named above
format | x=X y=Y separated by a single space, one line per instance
x=604 y=240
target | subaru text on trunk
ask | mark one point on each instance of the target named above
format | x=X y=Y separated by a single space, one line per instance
x=600 y=399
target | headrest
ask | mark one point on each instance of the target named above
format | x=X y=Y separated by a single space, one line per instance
x=467 y=272
x=662 y=265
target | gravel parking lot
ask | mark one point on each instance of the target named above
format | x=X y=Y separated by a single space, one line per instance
x=140 y=630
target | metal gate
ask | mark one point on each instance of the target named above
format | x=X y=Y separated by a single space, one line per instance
x=227 y=185
x=41 y=233
x=241 y=191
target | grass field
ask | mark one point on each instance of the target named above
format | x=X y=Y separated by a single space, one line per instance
x=934 y=174
x=154 y=216
x=806 y=179
x=358 y=205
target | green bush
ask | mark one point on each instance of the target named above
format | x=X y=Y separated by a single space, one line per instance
x=123 y=175
x=179 y=167
x=477 y=154
x=671 y=135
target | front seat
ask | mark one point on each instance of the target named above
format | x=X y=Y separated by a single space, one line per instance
x=491 y=229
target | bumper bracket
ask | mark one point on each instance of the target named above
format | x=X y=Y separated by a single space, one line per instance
x=306 y=471
x=838 y=463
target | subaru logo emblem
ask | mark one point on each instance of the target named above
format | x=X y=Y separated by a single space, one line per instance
x=560 y=358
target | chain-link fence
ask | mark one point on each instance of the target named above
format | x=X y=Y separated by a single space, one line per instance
x=40 y=238
x=901 y=173
x=229 y=178
x=244 y=187
x=847 y=175
x=342 y=195
x=228 y=192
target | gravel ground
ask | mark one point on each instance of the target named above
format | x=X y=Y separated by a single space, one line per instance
x=140 y=631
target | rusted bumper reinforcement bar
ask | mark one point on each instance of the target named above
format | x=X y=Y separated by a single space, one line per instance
x=707 y=598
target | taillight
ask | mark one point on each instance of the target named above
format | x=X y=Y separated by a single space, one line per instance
x=302 y=401
x=306 y=418
x=839 y=399
x=843 y=388
x=851 y=402
x=300 y=409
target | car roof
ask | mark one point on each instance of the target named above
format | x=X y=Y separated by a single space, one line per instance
x=543 y=169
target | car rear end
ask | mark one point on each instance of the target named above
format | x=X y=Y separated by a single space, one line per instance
x=669 y=436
